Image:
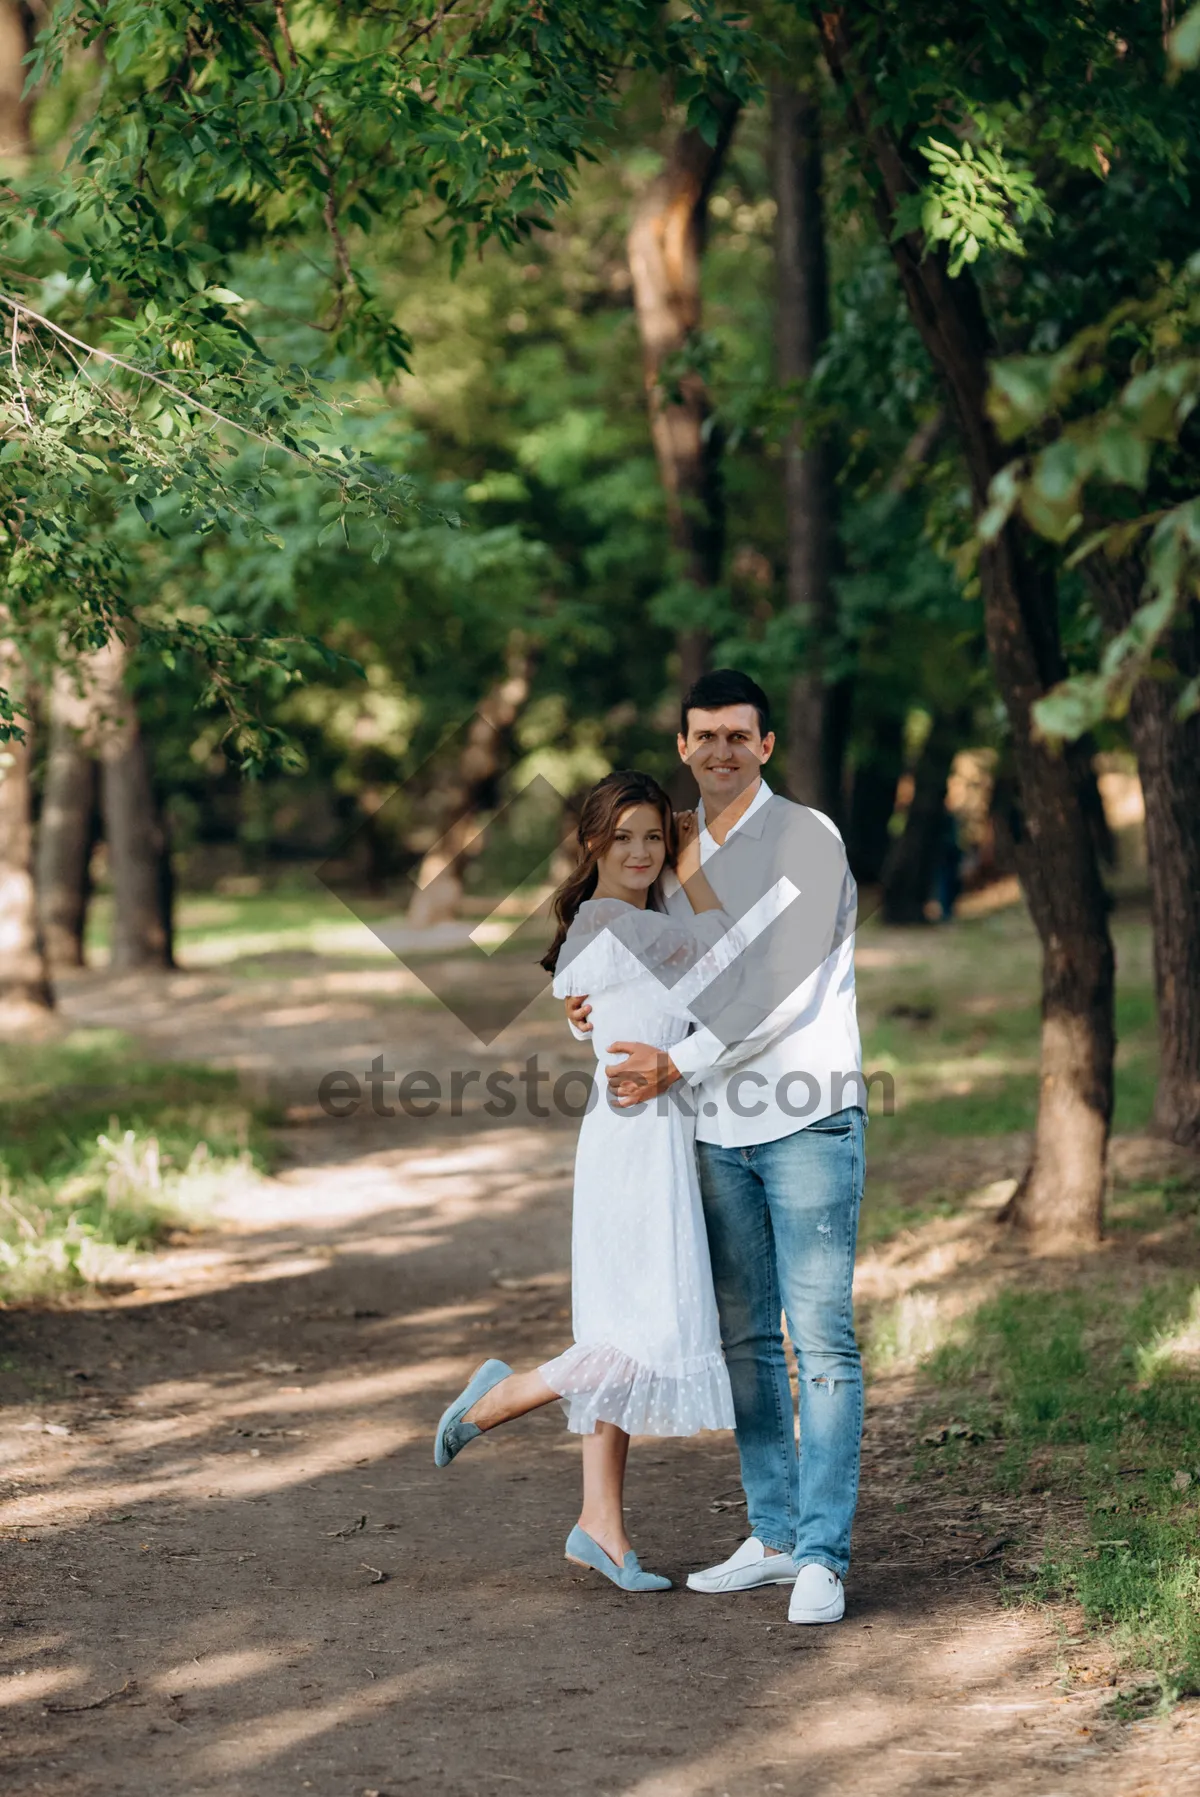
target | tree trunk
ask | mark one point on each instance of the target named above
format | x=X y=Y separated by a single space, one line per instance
x=439 y=879
x=1060 y=1203
x=873 y=799
x=24 y=987
x=66 y=825
x=16 y=38
x=1168 y=753
x=665 y=246
x=911 y=868
x=816 y=712
x=138 y=852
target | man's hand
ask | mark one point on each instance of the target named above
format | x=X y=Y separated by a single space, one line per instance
x=642 y=1075
x=578 y=1012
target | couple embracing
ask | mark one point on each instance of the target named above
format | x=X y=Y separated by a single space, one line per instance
x=719 y=1173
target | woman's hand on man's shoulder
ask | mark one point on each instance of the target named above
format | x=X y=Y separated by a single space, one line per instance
x=687 y=838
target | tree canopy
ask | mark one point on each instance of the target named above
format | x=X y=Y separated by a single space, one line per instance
x=137 y=378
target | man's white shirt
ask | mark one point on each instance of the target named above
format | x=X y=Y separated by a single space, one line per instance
x=803 y=1062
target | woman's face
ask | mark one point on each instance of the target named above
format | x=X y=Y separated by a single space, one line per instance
x=634 y=859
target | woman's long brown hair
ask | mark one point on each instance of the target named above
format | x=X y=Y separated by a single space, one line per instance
x=597 y=831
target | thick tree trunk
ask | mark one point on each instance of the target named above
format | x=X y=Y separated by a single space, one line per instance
x=817 y=709
x=666 y=245
x=24 y=987
x=910 y=871
x=439 y=879
x=1168 y=753
x=66 y=825
x=138 y=852
x=16 y=37
x=1060 y=1203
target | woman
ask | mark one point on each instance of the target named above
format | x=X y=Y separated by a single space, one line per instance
x=646 y=1358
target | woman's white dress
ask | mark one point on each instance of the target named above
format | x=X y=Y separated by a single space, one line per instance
x=647 y=1350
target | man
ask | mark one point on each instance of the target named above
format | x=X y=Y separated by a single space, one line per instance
x=780 y=1151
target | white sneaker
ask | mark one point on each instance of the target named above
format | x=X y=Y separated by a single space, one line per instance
x=817 y=1596
x=748 y=1568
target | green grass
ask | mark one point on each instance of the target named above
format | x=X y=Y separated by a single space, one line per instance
x=276 y=922
x=1089 y=1392
x=257 y=935
x=955 y=1024
x=101 y=1150
x=1092 y=1392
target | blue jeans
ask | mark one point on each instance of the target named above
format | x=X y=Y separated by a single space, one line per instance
x=782 y=1220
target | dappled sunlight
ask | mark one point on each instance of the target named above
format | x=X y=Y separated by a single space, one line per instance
x=32 y=1687
x=871 y=956
x=286 y=1017
x=1176 y=1349
x=349 y=938
x=233 y=1668
x=360 y=1587
x=236 y=1544
x=865 y=1714
x=247 y=1461
x=258 y=1739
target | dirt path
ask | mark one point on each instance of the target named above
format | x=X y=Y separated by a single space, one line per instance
x=231 y=1567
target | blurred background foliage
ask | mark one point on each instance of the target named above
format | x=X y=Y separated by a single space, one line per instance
x=521 y=423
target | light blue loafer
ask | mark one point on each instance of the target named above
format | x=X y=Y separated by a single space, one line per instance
x=629 y=1575
x=453 y=1433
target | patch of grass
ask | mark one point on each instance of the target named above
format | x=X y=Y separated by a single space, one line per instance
x=215 y=927
x=886 y=1214
x=101 y=1151
x=303 y=917
x=1095 y=1393
x=904 y=1333
x=993 y=1105
x=951 y=1015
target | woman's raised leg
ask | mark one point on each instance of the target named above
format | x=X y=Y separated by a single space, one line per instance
x=512 y=1397
x=492 y=1395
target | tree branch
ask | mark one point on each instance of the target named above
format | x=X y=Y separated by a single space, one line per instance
x=17 y=373
x=329 y=212
x=143 y=374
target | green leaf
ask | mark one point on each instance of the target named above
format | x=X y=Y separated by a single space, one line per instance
x=1183 y=44
x=1122 y=457
x=1003 y=495
x=1071 y=709
x=1021 y=394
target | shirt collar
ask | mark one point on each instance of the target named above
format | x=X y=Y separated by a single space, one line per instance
x=756 y=804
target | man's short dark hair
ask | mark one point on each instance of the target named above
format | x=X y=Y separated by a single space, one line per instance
x=725 y=686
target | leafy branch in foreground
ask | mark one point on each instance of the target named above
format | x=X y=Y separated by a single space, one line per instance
x=133 y=378
x=155 y=434
x=91 y=435
x=1109 y=474
x=975 y=199
x=1118 y=395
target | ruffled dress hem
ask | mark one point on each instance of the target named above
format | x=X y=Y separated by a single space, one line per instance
x=599 y=1384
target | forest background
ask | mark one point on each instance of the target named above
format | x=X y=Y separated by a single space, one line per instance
x=404 y=404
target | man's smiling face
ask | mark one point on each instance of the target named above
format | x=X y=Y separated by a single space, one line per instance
x=726 y=752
